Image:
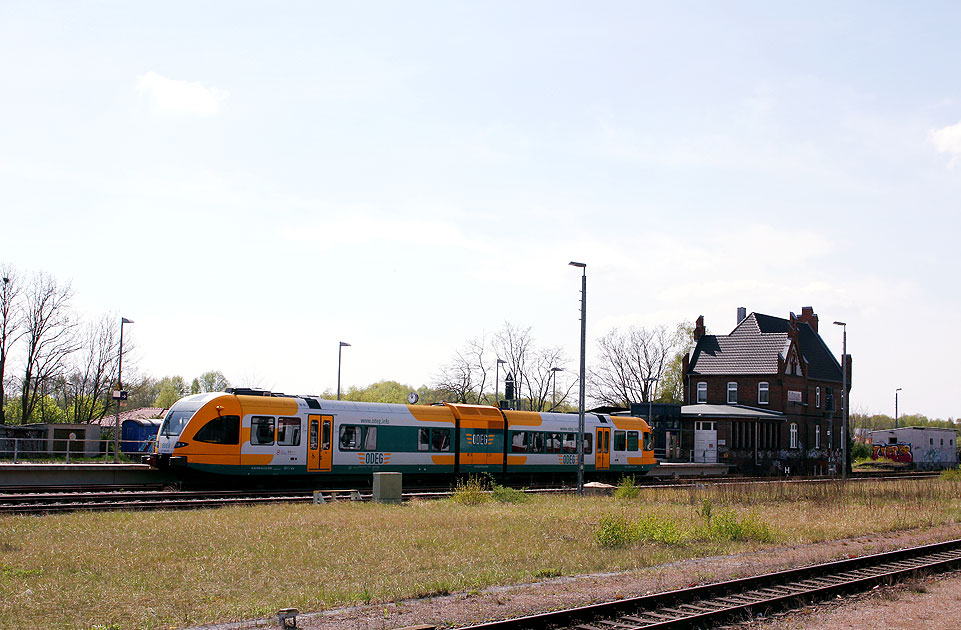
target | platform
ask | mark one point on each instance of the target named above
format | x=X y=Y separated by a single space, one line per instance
x=688 y=469
x=28 y=474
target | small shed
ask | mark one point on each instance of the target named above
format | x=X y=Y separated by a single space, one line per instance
x=924 y=447
x=137 y=433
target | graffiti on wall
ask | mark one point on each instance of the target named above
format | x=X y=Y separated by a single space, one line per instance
x=894 y=452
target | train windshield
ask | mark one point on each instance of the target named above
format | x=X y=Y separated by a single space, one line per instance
x=178 y=416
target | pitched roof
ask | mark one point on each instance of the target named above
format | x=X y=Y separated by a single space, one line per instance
x=754 y=346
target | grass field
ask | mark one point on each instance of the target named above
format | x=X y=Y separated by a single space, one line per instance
x=174 y=569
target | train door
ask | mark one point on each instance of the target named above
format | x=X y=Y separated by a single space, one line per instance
x=602 y=457
x=319 y=447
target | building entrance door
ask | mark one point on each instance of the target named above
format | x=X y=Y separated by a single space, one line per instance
x=705 y=442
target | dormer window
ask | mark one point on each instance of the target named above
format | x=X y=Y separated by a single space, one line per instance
x=732 y=393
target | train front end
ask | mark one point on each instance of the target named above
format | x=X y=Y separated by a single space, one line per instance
x=172 y=448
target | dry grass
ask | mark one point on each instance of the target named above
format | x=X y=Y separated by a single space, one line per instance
x=173 y=569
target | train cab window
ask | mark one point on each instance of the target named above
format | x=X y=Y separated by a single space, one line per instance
x=288 y=432
x=537 y=442
x=350 y=437
x=587 y=444
x=619 y=441
x=632 y=440
x=648 y=441
x=440 y=440
x=262 y=430
x=570 y=443
x=370 y=440
x=423 y=439
x=519 y=442
x=220 y=430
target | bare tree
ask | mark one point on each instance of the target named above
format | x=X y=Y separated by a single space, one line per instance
x=530 y=365
x=464 y=379
x=629 y=360
x=11 y=322
x=49 y=335
x=92 y=376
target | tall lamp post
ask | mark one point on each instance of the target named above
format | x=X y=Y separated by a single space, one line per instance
x=119 y=394
x=580 y=404
x=650 y=400
x=497 y=382
x=844 y=400
x=554 y=371
x=340 y=349
x=896 y=407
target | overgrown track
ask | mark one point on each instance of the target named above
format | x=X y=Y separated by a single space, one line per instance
x=715 y=604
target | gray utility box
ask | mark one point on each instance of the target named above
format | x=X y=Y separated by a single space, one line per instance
x=388 y=487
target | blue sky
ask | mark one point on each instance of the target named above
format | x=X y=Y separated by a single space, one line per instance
x=253 y=182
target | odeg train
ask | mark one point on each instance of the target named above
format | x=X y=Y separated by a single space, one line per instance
x=255 y=433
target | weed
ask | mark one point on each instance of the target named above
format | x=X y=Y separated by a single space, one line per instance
x=614 y=532
x=627 y=488
x=471 y=491
x=502 y=494
x=547 y=573
x=951 y=474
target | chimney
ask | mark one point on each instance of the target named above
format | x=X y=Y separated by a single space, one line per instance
x=741 y=314
x=808 y=316
x=699 y=328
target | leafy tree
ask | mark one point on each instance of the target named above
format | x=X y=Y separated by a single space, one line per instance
x=671 y=386
x=172 y=389
x=212 y=381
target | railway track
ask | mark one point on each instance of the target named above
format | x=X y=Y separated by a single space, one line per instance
x=725 y=602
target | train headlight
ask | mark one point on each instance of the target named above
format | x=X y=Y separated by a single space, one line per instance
x=180 y=444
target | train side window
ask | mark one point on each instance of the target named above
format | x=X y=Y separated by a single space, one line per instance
x=350 y=437
x=519 y=442
x=370 y=440
x=220 y=430
x=632 y=440
x=648 y=441
x=554 y=442
x=288 y=431
x=570 y=444
x=537 y=442
x=619 y=442
x=588 y=439
x=440 y=440
x=262 y=430
x=423 y=439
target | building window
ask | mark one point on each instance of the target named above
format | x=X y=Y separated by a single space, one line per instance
x=732 y=393
x=817 y=436
x=702 y=392
x=763 y=396
x=817 y=397
x=794 y=435
x=829 y=403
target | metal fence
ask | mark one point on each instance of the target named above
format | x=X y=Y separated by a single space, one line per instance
x=28 y=449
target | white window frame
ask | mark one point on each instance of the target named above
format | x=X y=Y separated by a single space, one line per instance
x=794 y=442
x=732 y=387
x=765 y=388
x=701 y=387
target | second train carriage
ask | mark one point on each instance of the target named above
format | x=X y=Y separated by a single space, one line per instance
x=255 y=433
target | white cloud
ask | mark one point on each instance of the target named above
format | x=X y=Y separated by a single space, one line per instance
x=180 y=97
x=948 y=139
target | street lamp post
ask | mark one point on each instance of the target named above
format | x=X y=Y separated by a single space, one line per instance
x=650 y=400
x=119 y=394
x=896 y=407
x=554 y=371
x=497 y=382
x=340 y=349
x=844 y=400
x=580 y=404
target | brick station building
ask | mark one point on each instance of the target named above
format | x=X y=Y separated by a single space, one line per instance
x=780 y=367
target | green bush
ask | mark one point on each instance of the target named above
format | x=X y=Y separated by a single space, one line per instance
x=613 y=532
x=726 y=525
x=951 y=474
x=860 y=451
x=653 y=528
x=502 y=494
x=471 y=491
x=627 y=488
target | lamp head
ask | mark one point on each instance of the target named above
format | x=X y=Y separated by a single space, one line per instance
x=840 y=324
x=344 y=343
x=124 y=320
x=577 y=264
